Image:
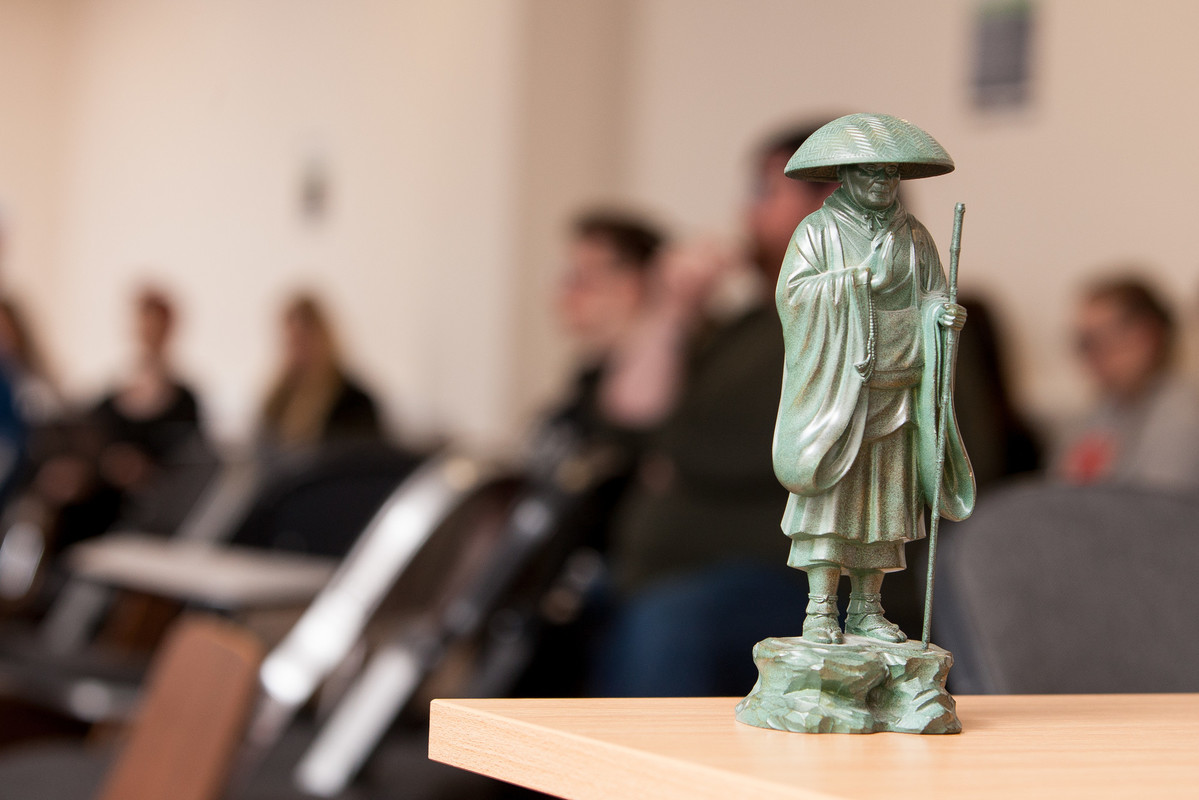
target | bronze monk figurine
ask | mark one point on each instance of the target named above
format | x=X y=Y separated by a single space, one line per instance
x=861 y=295
x=865 y=437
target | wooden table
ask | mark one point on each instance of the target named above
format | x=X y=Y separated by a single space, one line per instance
x=1015 y=748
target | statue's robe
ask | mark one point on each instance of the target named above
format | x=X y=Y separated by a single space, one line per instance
x=855 y=439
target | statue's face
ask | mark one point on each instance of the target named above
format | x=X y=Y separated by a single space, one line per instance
x=872 y=186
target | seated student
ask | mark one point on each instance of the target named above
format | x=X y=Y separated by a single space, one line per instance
x=604 y=289
x=37 y=404
x=610 y=262
x=313 y=400
x=130 y=436
x=999 y=439
x=13 y=438
x=1144 y=426
x=152 y=413
x=38 y=398
x=699 y=559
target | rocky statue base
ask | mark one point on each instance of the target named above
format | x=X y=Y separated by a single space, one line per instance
x=861 y=686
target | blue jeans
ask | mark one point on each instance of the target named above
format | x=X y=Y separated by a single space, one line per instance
x=693 y=635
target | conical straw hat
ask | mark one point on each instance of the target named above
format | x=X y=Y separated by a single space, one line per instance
x=866 y=139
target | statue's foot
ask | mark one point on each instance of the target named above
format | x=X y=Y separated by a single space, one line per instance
x=875 y=626
x=820 y=624
x=823 y=630
x=865 y=618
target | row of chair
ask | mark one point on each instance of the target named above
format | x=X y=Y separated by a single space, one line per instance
x=450 y=569
x=443 y=588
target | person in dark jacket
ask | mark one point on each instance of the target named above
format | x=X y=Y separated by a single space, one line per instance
x=699 y=572
x=136 y=432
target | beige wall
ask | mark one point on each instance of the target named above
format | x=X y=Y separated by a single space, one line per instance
x=166 y=140
x=33 y=43
x=574 y=119
x=190 y=126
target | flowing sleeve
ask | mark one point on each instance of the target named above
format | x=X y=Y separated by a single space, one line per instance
x=958 y=487
x=822 y=409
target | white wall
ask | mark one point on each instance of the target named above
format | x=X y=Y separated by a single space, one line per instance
x=1100 y=169
x=191 y=124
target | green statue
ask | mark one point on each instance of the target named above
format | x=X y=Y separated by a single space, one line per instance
x=863 y=300
x=865 y=437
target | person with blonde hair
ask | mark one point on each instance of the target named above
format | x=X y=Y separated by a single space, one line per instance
x=313 y=400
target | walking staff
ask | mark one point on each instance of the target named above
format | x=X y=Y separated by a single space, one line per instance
x=946 y=397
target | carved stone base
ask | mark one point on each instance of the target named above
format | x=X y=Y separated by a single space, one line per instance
x=862 y=686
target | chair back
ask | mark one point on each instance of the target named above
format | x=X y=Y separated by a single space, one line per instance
x=336 y=619
x=474 y=618
x=194 y=711
x=320 y=504
x=1053 y=588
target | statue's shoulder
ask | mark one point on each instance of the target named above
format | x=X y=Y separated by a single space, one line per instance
x=923 y=243
x=814 y=227
x=918 y=228
x=920 y=235
x=819 y=219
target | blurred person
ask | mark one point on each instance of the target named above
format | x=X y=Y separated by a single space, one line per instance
x=35 y=405
x=699 y=565
x=580 y=464
x=320 y=465
x=13 y=437
x=1144 y=427
x=37 y=397
x=152 y=413
x=999 y=439
x=313 y=400
x=603 y=292
x=131 y=437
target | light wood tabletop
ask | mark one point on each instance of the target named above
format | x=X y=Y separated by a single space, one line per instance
x=1013 y=747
